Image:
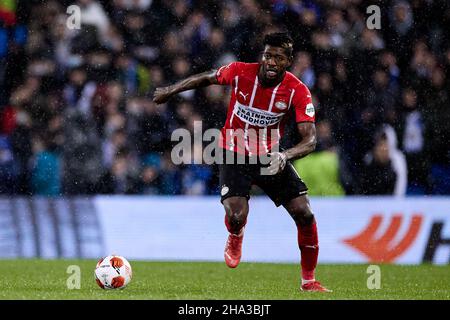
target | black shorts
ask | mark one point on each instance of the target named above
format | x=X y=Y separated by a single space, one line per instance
x=237 y=180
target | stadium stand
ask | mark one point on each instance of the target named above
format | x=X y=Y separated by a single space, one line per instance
x=77 y=117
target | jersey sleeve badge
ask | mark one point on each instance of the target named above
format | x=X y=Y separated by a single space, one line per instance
x=310 y=111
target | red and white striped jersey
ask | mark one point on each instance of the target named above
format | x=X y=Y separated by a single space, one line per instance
x=257 y=115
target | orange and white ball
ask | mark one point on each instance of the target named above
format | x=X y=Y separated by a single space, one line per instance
x=113 y=272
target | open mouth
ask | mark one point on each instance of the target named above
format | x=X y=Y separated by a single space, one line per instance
x=271 y=73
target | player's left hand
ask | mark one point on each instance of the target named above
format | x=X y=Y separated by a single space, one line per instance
x=278 y=161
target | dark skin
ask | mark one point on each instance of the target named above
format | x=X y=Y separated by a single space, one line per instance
x=273 y=65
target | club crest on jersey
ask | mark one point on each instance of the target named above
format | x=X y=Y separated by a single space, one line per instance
x=310 y=110
x=281 y=105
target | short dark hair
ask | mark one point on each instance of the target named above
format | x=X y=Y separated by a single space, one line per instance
x=280 y=39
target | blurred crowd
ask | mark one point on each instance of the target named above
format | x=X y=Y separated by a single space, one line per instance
x=76 y=110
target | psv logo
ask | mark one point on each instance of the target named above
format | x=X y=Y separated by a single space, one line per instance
x=281 y=105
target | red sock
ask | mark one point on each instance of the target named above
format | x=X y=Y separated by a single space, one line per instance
x=309 y=248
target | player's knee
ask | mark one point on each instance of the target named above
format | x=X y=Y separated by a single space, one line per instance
x=235 y=223
x=236 y=214
x=303 y=215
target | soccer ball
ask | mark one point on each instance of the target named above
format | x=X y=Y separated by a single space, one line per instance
x=113 y=272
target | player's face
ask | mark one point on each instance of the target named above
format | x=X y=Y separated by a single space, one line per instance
x=274 y=63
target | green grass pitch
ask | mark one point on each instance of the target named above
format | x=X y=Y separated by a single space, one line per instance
x=46 y=279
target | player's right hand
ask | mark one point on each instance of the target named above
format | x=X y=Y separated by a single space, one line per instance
x=277 y=162
x=161 y=95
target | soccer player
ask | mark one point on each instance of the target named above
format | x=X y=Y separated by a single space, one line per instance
x=262 y=97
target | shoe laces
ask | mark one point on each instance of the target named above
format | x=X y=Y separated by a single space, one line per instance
x=313 y=284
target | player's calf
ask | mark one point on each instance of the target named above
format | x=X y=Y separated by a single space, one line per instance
x=236 y=209
x=308 y=241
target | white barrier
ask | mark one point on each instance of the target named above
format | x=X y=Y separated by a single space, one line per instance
x=351 y=230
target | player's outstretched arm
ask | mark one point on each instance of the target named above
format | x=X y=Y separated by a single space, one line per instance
x=307 y=145
x=199 y=80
